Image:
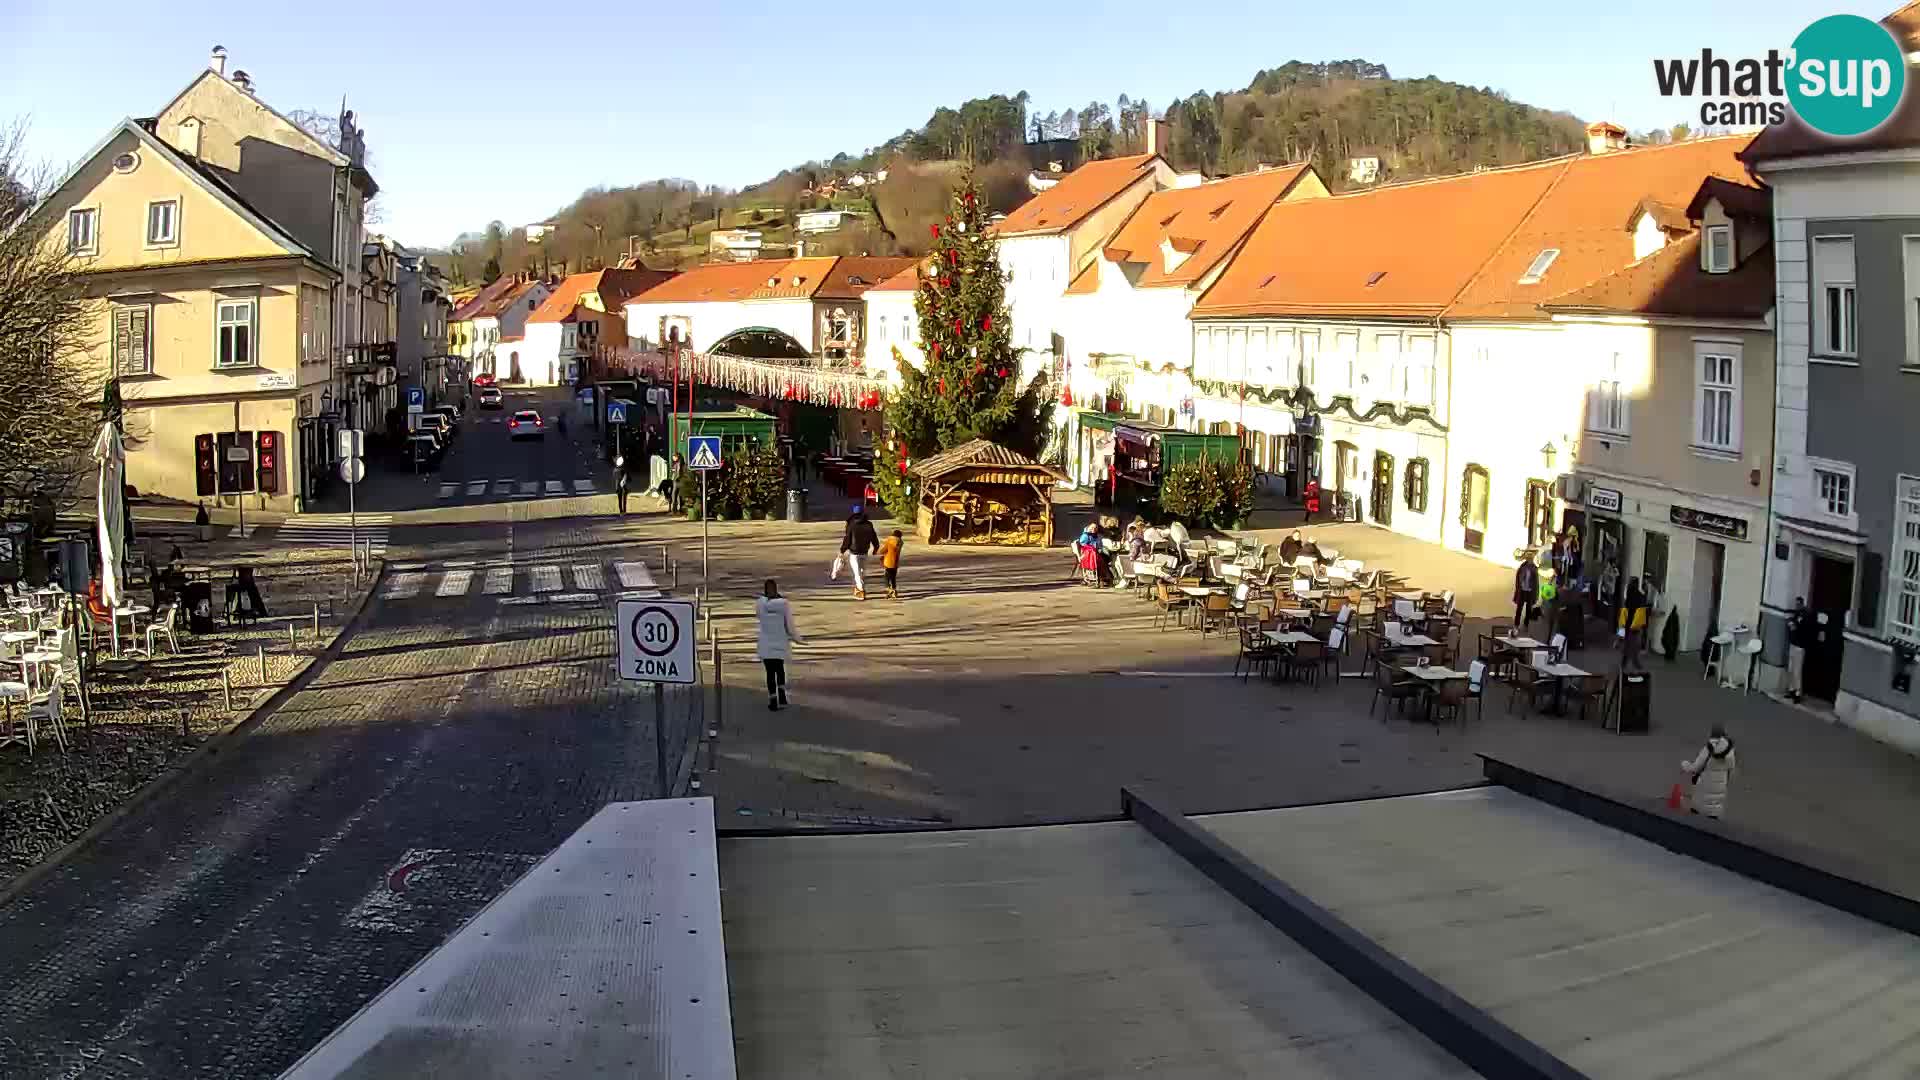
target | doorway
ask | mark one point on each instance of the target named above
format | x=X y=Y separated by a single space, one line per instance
x=1473 y=511
x=1382 y=488
x=1539 y=514
x=1709 y=562
x=1829 y=594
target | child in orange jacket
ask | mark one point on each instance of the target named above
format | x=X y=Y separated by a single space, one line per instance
x=890 y=562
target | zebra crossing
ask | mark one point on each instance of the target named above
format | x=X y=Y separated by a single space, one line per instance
x=522 y=583
x=509 y=487
x=334 y=530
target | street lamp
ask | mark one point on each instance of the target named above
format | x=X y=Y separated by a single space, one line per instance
x=1547 y=452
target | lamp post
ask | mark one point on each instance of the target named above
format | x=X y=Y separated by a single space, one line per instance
x=1547 y=454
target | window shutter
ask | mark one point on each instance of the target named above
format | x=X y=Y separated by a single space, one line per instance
x=137 y=359
x=122 y=338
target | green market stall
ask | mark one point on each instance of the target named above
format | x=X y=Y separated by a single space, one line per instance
x=1141 y=454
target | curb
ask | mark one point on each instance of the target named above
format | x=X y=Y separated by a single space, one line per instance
x=197 y=761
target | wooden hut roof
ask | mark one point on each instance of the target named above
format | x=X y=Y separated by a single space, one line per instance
x=987 y=461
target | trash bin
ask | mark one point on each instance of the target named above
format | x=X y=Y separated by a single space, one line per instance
x=796 y=504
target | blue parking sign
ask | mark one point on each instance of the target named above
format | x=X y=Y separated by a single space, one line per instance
x=416 y=399
x=703 y=451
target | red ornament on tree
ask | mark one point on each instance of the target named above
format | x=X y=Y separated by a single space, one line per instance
x=1002 y=372
x=935 y=230
x=987 y=324
x=1066 y=397
x=946 y=282
x=943 y=385
x=936 y=350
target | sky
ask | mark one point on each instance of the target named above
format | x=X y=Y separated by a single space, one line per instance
x=489 y=110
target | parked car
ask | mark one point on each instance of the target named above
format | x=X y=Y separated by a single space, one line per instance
x=450 y=410
x=490 y=397
x=483 y=379
x=526 y=424
x=439 y=425
x=421 y=452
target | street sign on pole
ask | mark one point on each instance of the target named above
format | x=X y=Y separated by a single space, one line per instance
x=416 y=399
x=703 y=452
x=353 y=469
x=239 y=453
x=353 y=442
x=657 y=641
x=616 y=412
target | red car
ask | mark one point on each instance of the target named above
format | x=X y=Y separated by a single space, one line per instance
x=483 y=379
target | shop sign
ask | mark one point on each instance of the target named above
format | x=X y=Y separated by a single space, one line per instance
x=1706 y=521
x=1607 y=499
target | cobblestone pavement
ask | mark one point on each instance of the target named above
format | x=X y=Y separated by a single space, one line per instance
x=227 y=927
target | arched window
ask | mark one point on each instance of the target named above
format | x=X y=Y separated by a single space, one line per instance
x=1416 y=485
x=1382 y=494
x=1475 y=488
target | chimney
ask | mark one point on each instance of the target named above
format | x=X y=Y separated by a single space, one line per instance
x=1156 y=136
x=218 y=62
x=1604 y=137
x=244 y=81
x=799 y=249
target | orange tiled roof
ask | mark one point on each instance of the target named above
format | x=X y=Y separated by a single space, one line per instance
x=1204 y=222
x=558 y=307
x=1582 y=217
x=907 y=280
x=1087 y=281
x=487 y=293
x=1078 y=194
x=797 y=279
x=491 y=309
x=726 y=281
x=1671 y=282
x=1403 y=250
x=855 y=274
x=1901 y=131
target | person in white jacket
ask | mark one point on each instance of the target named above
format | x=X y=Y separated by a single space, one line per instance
x=1711 y=770
x=776 y=638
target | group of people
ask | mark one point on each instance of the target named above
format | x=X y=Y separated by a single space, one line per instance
x=1565 y=596
x=1102 y=546
x=860 y=539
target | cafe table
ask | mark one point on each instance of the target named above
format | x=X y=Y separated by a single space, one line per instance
x=1432 y=675
x=1298 y=613
x=1560 y=673
x=1412 y=641
x=1201 y=591
x=1289 y=637
x=131 y=613
x=35 y=661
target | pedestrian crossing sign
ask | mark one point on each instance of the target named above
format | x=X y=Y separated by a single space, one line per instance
x=703 y=451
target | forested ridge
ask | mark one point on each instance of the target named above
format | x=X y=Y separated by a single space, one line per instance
x=1326 y=113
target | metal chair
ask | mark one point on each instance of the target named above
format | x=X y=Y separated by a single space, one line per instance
x=1255 y=651
x=1392 y=684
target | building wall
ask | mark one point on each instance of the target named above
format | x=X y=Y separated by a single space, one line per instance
x=540 y=353
x=709 y=321
x=513 y=321
x=891 y=321
x=1859 y=414
x=207 y=228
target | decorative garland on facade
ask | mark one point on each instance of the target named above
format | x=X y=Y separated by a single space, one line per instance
x=835 y=388
x=1303 y=399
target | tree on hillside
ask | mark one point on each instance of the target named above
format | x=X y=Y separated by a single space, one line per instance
x=970 y=387
x=50 y=388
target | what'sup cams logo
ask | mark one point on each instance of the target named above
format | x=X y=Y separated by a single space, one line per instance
x=1844 y=76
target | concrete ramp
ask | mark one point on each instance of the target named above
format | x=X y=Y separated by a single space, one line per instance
x=606 y=959
x=1058 y=951
x=1622 y=958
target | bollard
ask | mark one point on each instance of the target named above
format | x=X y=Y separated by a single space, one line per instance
x=226 y=686
x=663 y=558
x=262 y=649
x=293 y=643
x=676 y=576
x=316 y=621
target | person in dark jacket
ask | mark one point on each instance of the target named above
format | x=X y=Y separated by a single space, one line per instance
x=1801 y=635
x=856 y=543
x=1526 y=594
x=1634 y=616
x=620 y=482
x=1290 y=549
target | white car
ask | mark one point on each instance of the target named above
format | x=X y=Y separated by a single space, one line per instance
x=489 y=397
x=526 y=424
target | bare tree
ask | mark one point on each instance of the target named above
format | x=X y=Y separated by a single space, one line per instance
x=50 y=385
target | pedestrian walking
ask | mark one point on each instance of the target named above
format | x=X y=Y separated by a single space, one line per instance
x=666 y=480
x=890 y=562
x=775 y=640
x=1633 y=623
x=1526 y=593
x=857 y=542
x=620 y=483
x=1801 y=634
x=1710 y=772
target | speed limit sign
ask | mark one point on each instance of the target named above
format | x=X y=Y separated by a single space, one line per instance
x=657 y=641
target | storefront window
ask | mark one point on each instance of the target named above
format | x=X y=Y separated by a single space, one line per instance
x=1416 y=485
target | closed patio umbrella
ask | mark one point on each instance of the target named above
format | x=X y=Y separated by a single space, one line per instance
x=111 y=456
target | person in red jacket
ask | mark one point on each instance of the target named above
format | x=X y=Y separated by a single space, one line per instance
x=1312 y=498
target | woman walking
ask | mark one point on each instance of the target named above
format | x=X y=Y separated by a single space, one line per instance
x=776 y=637
x=1526 y=594
x=1711 y=770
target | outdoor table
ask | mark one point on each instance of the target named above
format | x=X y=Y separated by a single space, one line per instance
x=1289 y=637
x=9 y=692
x=1412 y=641
x=1560 y=673
x=1431 y=676
x=1294 y=612
x=1521 y=643
x=131 y=613
x=16 y=641
x=35 y=661
x=197 y=571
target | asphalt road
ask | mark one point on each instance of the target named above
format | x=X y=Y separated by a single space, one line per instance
x=224 y=929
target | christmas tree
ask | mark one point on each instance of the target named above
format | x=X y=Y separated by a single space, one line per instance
x=970 y=386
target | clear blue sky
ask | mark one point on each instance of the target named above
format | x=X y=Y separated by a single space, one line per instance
x=508 y=110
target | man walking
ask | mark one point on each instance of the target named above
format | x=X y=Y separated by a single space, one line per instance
x=856 y=543
x=1801 y=633
x=620 y=483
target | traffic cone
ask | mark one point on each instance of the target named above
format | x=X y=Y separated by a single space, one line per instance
x=1676 y=798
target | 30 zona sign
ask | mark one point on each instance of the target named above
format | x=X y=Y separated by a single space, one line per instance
x=657 y=641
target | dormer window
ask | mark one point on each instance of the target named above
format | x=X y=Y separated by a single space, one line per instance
x=1218 y=210
x=1171 y=257
x=1537 y=269
x=1376 y=278
x=1719 y=249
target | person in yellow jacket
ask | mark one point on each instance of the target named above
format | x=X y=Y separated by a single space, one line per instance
x=890 y=562
x=1633 y=623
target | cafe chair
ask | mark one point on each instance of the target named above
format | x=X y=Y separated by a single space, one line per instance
x=162 y=626
x=1477 y=687
x=1214 y=610
x=1336 y=648
x=1306 y=660
x=1528 y=685
x=1557 y=648
x=1592 y=691
x=1450 y=699
x=1255 y=652
x=1170 y=603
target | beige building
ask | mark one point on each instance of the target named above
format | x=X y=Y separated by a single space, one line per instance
x=222 y=247
x=1670 y=475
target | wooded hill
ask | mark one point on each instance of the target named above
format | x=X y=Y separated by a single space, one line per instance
x=1325 y=113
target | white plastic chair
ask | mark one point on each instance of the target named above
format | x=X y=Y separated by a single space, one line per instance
x=162 y=626
x=1345 y=616
x=47 y=709
x=1749 y=652
x=1404 y=609
x=1302 y=586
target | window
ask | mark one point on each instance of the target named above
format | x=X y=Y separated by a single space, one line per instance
x=1719 y=249
x=1416 y=370
x=1833 y=489
x=1346 y=349
x=1309 y=356
x=1381 y=371
x=163 y=223
x=83 y=236
x=1833 y=296
x=1716 y=397
x=1903 y=619
x=1415 y=487
x=1537 y=269
x=1912 y=256
x=1607 y=399
x=233 y=333
x=133 y=340
x=880 y=331
x=1540 y=513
